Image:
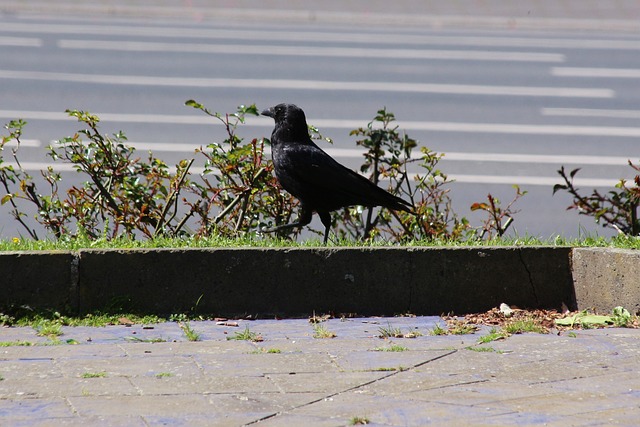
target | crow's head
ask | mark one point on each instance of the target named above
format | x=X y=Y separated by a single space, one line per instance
x=286 y=113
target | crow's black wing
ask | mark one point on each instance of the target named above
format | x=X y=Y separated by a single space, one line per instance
x=323 y=184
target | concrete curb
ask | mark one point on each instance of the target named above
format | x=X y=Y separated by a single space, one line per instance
x=299 y=281
x=605 y=278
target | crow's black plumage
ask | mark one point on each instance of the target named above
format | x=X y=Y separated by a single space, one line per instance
x=315 y=178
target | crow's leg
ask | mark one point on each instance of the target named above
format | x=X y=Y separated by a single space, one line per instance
x=304 y=218
x=325 y=217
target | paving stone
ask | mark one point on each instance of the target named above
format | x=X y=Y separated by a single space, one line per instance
x=26 y=408
x=204 y=384
x=327 y=383
x=527 y=379
x=63 y=386
x=76 y=421
x=259 y=364
x=388 y=410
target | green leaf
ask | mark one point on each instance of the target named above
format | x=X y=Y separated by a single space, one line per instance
x=6 y=198
x=194 y=104
x=585 y=319
x=479 y=206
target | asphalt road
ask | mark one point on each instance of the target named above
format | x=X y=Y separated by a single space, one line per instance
x=506 y=105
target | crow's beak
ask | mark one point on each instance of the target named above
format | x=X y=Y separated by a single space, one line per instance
x=268 y=112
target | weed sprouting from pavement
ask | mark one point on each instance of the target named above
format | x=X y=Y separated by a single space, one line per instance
x=493 y=335
x=163 y=375
x=191 y=334
x=246 y=335
x=524 y=325
x=101 y=374
x=438 y=330
x=354 y=421
x=392 y=348
x=321 y=331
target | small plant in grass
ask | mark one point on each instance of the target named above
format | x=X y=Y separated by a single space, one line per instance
x=318 y=319
x=393 y=332
x=94 y=375
x=460 y=328
x=189 y=332
x=48 y=329
x=321 y=331
x=164 y=375
x=147 y=340
x=438 y=330
x=246 y=335
x=621 y=317
x=355 y=421
x=481 y=349
x=392 y=348
x=390 y=332
x=1 y=377
x=266 y=351
x=17 y=343
x=524 y=325
x=391 y=369
x=6 y=320
x=493 y=335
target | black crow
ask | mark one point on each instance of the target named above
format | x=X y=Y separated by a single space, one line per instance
x=315 y=178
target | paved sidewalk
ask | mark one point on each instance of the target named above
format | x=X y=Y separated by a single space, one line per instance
x=115 y=377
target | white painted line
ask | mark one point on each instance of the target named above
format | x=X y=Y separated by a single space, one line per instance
x=531 y=180
x=507 y=157
x=31 y=143
x=618 y=73
x=273 y=84
x=379 y=38
x=116 y=117
x=312 y=51
x=498 y=128
x=20 y=42
x=591 y=112
x=465 y=179
x=539 y=158
x=166 y=147
x=454 y=127
x=356 y=153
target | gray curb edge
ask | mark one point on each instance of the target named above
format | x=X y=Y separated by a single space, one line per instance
x=299 y=281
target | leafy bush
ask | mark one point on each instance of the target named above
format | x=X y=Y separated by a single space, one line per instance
x=238 y=182
x=388 y=158
x=126 y=196
x=617 y=208
x=121 y=196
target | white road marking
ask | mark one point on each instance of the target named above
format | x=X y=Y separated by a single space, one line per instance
x=553 y=92
x=459 y=178
x=313 y=51
x=531 y=180
x=20 y=41
x=540 y=158
x=454 y=127
x=591 y=112
x=32 y=143
x=379 y=38
x=618 y=73
x=448 y=156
